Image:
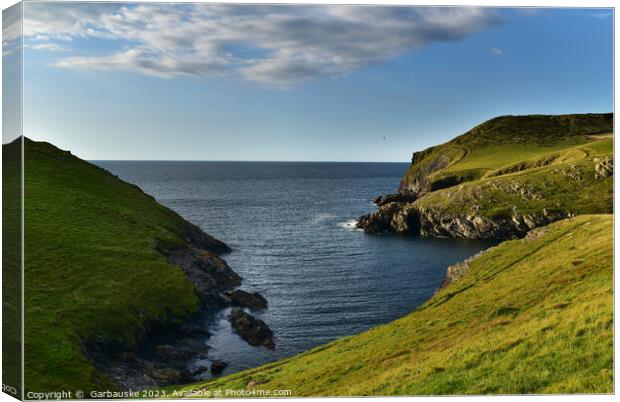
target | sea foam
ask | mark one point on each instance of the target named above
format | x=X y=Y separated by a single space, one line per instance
x=349 y=225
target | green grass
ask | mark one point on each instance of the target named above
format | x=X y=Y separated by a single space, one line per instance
x=492 y=157
x=11 y=265
x=499 y=143
x=567 y=183
x=517 y=165
x=531 y=316
x=542 y=130
x=92 y=272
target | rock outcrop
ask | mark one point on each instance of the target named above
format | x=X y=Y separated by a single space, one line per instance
x=436 y=222
x=154 y=364
x=392 y=217
x=398 y=197
x=241 y=298
x=208 y=272
x=460 y=269
x=218 y=366
x=253 y=330
x=416 y=182
x=603 y=167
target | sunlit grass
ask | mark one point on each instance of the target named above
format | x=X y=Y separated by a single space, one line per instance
x=531 y=316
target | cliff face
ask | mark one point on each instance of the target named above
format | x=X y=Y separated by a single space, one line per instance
x=437 y=222
x=504 y=178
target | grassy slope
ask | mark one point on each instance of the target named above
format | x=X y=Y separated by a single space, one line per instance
x=11 y=264
x=92 y=272
x=531 y=316
x=503 y=141
x=568 y=183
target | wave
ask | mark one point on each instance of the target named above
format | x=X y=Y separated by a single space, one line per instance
x=349 y=225
x=320 y=218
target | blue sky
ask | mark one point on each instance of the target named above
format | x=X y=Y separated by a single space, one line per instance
x=319 y=83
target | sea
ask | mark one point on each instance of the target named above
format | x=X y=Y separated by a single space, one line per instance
x=291 y=226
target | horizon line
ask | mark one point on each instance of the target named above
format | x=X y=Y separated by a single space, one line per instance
x=235 y=161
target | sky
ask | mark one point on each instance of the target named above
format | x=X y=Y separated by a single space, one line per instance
x=293 y=82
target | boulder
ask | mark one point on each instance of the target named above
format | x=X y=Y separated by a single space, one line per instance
x=167 y=375
x=379 y=221
x=196 y=371
x=218 y=366
x=167 y=353
x=403 y=198
x=603 y=167
x=194 y=330
x=254 y=331
x=191 y=347
x=254 y=301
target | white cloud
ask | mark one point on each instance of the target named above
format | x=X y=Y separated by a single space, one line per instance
x=274 y=45
x=497 y=51
x=51 y=47
x=140 y=60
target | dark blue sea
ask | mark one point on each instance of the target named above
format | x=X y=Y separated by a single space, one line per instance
x=291 y=228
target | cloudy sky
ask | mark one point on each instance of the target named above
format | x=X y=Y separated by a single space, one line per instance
x=249 y=82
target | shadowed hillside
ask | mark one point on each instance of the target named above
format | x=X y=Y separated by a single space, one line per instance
x=105 y=263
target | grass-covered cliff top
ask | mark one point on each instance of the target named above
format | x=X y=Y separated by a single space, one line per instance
x=93 y=274
x=500 y=143
x=573 y=179
x=536 y=129
x=503 y=178
x=531 y=316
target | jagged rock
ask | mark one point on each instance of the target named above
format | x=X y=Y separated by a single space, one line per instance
x=458 y=270
x=429 y=163
x=254 y=331
x=379 y=221
x=169 y=375
x=182 y=351
x=535 y=234
x=437 y=222
x=198 y=370
x=208 y=272
x=167 y=353
x=241 y=298
x=203 y=241
x=400 y=198
x=194 y=330
x=454 y=273
x=603 y=167
x=191 y=347
x=572 y=172
x=218 y=366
